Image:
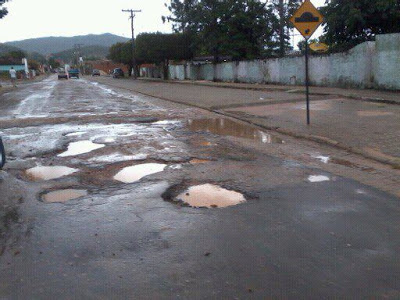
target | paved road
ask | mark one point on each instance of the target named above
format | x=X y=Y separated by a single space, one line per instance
x=308 y=229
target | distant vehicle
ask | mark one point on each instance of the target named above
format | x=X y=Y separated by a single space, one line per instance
x=62 y=74
x=117 y=73
x=2 y=154
x=73 y=73
x=95 y=72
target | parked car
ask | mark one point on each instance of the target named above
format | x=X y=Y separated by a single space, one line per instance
x=117 y=73
x=73 y=73
x=95 y=72
x=62 y=74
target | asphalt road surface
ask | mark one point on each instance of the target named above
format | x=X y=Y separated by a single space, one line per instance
x=95 y=203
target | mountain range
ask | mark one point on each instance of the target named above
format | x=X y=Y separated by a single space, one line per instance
x=49 y=45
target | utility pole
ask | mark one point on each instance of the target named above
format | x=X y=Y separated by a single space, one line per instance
x=281 y=28
x=132 y=17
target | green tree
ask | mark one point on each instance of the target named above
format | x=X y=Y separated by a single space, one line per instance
x=160 y=48
x=3 y=10
x=282 y=11
x=348 y=23
x=122 y=53
x=53 y=63
x=34 y=65
x=238 y=28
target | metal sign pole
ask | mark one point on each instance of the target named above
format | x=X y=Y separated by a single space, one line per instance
x=307 y=86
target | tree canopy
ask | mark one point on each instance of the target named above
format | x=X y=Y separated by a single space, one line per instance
x=243 y=29
x=3 y=10
x=121 y=53
x=158 y=47
x=352 y=22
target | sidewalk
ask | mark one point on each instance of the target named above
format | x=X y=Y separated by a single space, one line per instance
x=363 y=127
x=390 y=97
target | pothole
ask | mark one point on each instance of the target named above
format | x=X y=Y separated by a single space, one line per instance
x=62 y=196
x=77 y=148
x=227 y=127
x=210 y=196
x=135 y=173
x=49 y=173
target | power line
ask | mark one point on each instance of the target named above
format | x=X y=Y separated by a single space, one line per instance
x=132 y=17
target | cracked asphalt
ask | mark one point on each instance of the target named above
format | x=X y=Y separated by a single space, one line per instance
x=318 y=222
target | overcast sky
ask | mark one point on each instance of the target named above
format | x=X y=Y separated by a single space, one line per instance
x=41 y=18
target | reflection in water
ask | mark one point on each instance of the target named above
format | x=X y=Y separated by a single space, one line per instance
x=212 y=196
x=63 y=195
x=135 y=173
x=227 y=127
x=81 y=147
x=48 y=173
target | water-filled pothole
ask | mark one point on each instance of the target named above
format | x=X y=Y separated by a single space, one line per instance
x=318 y=178
x=77 y=148
x=135 y=173
x=227 y=127
x=211 y=196
x=63 y=195
x=48 y=173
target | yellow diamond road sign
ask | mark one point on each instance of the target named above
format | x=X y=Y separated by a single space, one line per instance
x=307 y=19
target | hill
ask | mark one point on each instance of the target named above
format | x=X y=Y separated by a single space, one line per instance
x=88 y=53
x=49 y=45
x=7 y=49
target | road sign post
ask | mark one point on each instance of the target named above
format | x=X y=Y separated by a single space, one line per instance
x=306 y=20
x=307 y=87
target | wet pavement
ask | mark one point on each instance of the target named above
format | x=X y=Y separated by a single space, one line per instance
x=112 y=194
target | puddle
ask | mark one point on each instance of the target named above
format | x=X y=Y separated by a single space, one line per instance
x=318 y=178
x=135 y=173
x=117 y=157
x=63 y=195
x=211 y=196
x=81 y=147
x=324 y=159
x=227 y=127
x=79 y=133
x=48 y=173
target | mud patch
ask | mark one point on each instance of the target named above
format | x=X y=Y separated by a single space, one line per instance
x=77 y=148
x=210 y=196
x=227 y=127
x=49 y=173
x=135 y=173
x=196 y=161
x=62 y=196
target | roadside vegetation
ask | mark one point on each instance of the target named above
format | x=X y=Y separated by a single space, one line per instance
x=251 y=29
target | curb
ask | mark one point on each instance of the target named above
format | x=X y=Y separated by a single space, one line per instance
x=319 y=139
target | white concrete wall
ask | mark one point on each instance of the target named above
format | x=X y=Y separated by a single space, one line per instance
x=368 y=65
x=386 y=62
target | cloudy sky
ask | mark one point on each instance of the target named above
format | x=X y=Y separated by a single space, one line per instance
x=40 y=18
